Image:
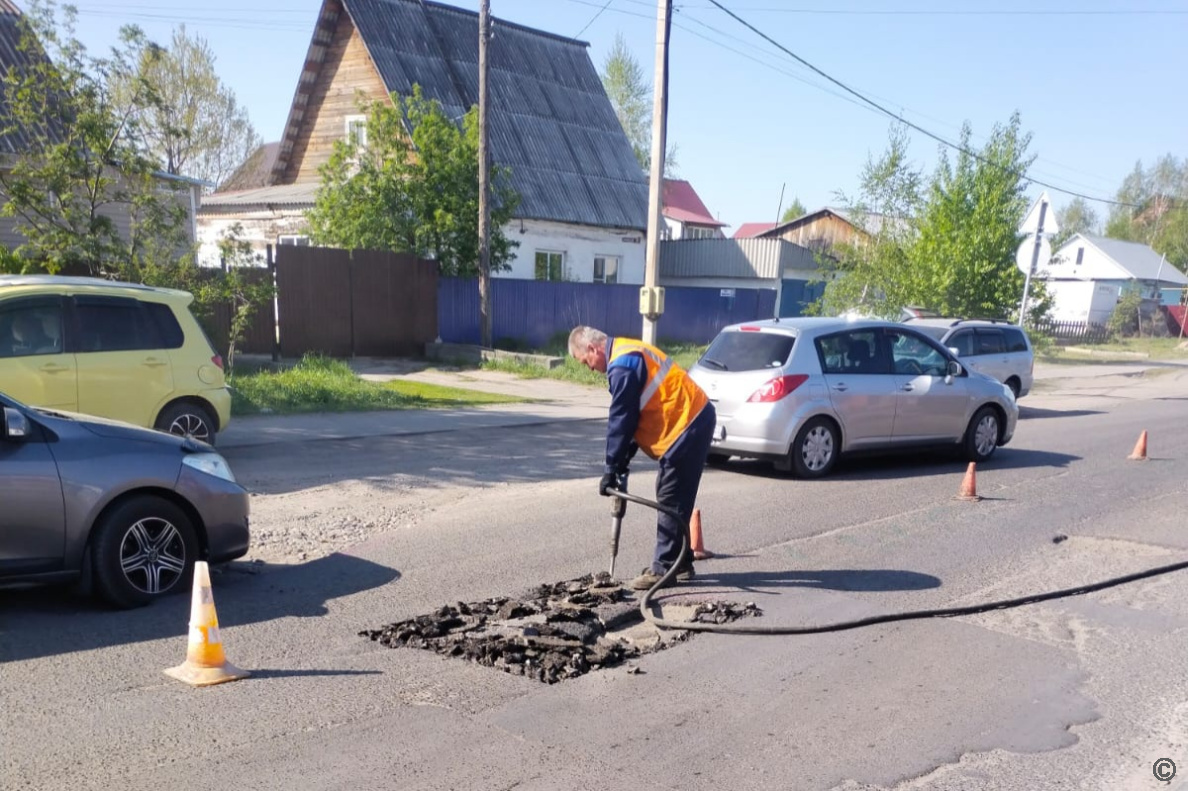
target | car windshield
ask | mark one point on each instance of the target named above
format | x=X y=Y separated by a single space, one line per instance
x=748 y=351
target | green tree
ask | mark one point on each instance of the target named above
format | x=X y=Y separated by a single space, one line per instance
x=1157 y=214
x=193 y=126
x=964 y=256
x=630 y=93
x=412 y=186
x=948 y=247
x=82 y=157
x=794 y=210
x=243 y=285
x=873 y=274
x=1077 y=217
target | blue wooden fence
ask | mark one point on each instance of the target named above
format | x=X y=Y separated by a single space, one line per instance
x=531 y=312
x=796 y=295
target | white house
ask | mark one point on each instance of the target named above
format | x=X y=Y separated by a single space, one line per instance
x=684 y=214
x=583 y=197
x=1087 y=275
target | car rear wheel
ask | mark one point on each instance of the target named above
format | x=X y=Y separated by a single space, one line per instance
x=188 y=419
x=815 y=449
x=1015 y=386
x=981 y=437
x=143 y=550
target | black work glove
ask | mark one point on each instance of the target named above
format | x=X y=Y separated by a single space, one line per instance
x=612 y=480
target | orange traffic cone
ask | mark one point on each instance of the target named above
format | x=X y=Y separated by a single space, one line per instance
x=205 y=663
x=1140 y=448
x=699 y=550
x=969 y=486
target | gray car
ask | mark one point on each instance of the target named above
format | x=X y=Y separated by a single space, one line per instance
x=122 y=509
x=802 y=391
x=999 y=349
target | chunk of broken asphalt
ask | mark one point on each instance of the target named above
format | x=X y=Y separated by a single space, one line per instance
x=560 y=631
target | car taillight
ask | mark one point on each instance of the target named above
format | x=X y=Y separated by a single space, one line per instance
x=218 y=361
x=777 y=388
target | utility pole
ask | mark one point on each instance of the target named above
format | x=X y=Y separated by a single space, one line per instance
x=484 y=178
x=651 y=297
x=1035 y=254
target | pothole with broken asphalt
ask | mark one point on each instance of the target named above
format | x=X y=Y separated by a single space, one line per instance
x=557 y=632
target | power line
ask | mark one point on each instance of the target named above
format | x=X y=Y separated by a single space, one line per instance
x=959 y=12
x=617 y=10
x=242 y=24
x=593 y=19
x=822 y=88
x=800 y=78
x=899 y=117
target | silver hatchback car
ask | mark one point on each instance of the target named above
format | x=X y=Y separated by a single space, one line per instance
x=802 y=391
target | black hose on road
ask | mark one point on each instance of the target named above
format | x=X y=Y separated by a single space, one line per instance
x=645 y=602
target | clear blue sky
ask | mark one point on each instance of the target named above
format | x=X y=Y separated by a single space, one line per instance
x=1099 y=83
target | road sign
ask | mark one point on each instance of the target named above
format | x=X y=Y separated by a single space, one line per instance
x=1026 y=250
x=1031 y=224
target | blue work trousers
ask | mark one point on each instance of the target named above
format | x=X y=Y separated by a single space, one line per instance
x=676 y=487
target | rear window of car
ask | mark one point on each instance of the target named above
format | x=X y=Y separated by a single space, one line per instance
x=169 y=330
x=1016 y=341
x=990 y=342
x=748 y=351
x=114 y=324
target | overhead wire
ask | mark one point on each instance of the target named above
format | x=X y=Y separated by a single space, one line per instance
x=911 y=124
x=593 y=19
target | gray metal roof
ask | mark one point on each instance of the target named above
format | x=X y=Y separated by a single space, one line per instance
x=1139 y=260
x=295 y=195
x=17 y=140
x=762 y=259
x=552 y=124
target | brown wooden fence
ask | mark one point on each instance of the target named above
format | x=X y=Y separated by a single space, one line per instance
x=260 y=335
x=1074 y=331
x=348 y=303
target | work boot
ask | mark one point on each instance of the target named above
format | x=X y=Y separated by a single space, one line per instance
x=646 y=579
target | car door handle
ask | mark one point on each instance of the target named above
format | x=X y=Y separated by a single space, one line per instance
x=154 y=362
x=54 y=368
x=841 y=387
x=908 y=387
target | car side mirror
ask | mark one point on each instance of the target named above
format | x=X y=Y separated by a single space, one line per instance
x=954 y=369
x=16 y=425
x=954 y=351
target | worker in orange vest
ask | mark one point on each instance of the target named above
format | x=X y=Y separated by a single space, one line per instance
x=655 y=407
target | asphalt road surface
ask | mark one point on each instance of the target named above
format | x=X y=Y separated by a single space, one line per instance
x=1083 y=693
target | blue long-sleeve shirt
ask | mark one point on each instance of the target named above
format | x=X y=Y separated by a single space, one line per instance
x=625 y=378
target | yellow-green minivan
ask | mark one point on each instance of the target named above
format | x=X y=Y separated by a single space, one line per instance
x=114 y=350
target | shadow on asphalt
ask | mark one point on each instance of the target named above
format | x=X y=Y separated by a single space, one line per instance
x=1036 y=413
x=852 y=580
x=921 y=463
x=39 y=622
x=523 y=454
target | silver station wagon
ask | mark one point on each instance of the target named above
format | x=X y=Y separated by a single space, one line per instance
x=802 y=391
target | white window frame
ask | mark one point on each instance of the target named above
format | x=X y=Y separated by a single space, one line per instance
x=350 y=121
x=548 y=267
x=615 y=260
x=293 y=239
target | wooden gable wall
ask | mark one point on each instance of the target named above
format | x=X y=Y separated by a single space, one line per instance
x=346 y=70
x=821 y=233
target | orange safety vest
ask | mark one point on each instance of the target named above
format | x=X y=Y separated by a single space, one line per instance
x=670 y=400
